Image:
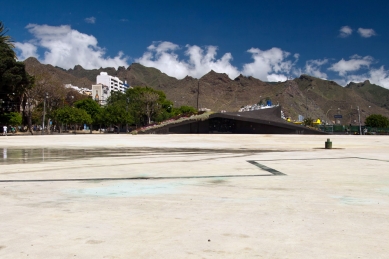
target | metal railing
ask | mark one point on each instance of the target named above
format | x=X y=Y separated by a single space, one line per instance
x=353 y=129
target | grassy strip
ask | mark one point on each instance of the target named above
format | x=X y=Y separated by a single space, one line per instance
x=145 y=129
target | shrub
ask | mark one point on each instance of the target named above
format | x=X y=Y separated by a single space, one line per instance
x=377 y=121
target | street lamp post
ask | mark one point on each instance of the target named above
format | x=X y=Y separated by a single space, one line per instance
x=28 y=106
x=327 y=118
x=198 y=93
x=359 y=119
x=44 y=112
x=128 y=100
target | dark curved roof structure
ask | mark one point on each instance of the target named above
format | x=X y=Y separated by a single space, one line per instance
x=264 y=121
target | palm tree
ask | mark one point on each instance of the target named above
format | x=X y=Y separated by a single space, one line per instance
x=6 y=39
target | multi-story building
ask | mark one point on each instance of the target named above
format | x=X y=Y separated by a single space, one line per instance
x=105 y=84
x=113 y=82
x=82 y=90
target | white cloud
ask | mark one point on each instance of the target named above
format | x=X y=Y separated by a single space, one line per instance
x=90 y=20
x=276 y=78
x=366 y=33
x=345 y=31
x=65 y=47
x=267 y=64
x=378 y=76
x=162 y=56
x=355 y=63
x=26 y=50
x=312 y=67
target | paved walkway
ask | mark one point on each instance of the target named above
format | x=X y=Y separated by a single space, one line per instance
x=194 y=196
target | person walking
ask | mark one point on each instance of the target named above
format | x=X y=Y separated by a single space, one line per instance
x=4 y=130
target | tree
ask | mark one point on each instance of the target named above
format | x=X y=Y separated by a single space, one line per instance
x=11 y=118
x=116 y=111
x=148 y=105
x=6 y=39
x=14 y=118
x=187 y=109
x=91 y=107
x=377 y=121
x=308 y=122
x=80 y=116
x=14 y=80
x=72 y=116
x=46 y=84
x=141 y=106
x=115 y=114
x=63 y=115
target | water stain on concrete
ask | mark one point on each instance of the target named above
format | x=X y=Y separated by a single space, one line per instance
x=384 y=191
x=353 y=200
x=128 y=189
x=218 y=181
x=236 y=235
x=94 y=242
x=214 y=251
x=38 y=155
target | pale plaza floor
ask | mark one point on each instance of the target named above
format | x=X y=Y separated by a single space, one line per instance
x=194 y=196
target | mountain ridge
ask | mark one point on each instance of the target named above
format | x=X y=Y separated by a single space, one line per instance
x=305 y=95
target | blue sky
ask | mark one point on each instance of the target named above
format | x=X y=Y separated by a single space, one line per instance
x=271 y=40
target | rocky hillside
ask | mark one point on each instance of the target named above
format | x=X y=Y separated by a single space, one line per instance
x=327 y=96
x=56 y=74
x=306 y=95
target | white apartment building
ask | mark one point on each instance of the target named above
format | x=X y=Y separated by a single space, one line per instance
x=85 y=91
x=105 y=84
x=113 y=82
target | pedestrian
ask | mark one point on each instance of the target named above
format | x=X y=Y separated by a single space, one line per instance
x=4 y=130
